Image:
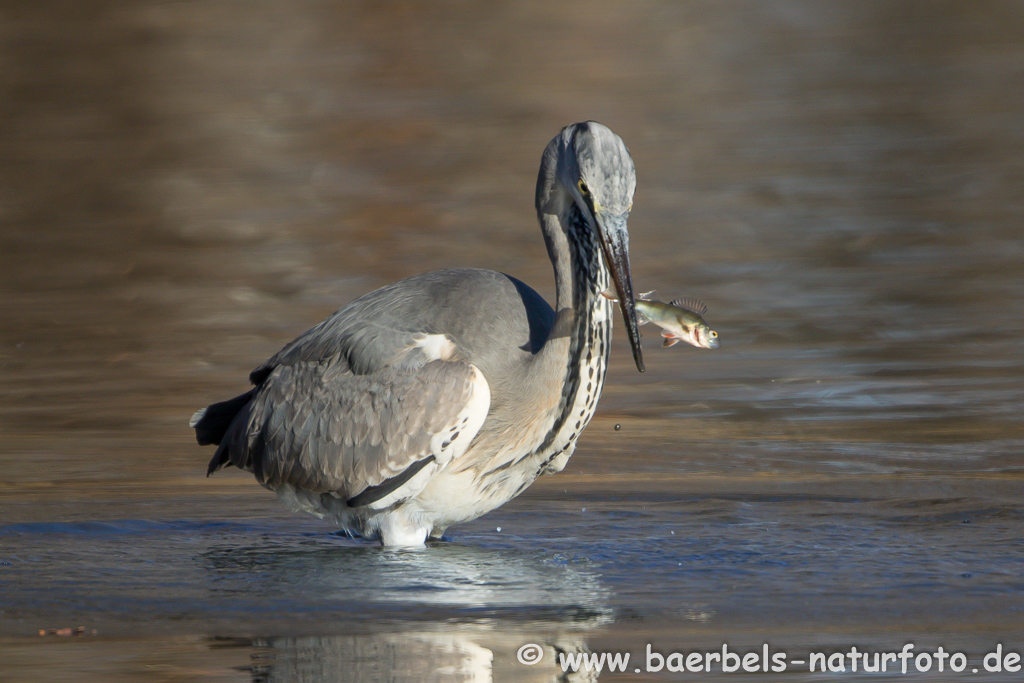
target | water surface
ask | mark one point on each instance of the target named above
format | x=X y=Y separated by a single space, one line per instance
x=184 y=188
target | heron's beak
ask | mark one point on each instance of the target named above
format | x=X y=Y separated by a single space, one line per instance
x=615 y=243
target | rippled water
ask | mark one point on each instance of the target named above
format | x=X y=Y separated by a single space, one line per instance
x=186 y=187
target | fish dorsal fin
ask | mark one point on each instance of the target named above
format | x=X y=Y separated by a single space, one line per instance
x=693 y=305
x=646 y=296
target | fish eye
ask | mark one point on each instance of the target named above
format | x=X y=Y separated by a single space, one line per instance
x=714 y=335
x=584 y=190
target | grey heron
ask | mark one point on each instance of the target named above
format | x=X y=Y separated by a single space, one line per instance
x=436 y=399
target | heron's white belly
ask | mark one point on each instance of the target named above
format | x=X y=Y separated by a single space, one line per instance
x=456 y=497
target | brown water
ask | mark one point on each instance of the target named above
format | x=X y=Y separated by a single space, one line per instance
x=184 y=187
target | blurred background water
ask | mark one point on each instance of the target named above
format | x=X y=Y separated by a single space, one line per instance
x=186 y=186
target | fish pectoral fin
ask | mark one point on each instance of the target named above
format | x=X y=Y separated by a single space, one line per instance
x=667 y=335
x=670 y=341
x=610 y=294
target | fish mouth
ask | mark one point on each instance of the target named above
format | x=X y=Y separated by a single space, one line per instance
x=615 y=245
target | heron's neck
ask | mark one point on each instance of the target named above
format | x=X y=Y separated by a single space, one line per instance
x=575 y=355
x=580 y=272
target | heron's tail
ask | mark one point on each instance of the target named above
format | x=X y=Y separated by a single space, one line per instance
x=211 y=423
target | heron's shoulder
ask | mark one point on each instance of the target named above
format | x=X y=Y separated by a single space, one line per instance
x=468 y=305
x=434 y=298
x=455 y=282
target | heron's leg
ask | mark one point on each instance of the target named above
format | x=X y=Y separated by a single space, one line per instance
x=397 y=530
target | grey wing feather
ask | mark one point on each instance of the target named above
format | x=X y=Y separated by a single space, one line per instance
x=375 y=331
x=487 y=316
x=363 y=346
x=321 y=428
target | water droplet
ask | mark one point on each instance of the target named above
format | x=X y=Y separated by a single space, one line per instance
x=499 y=529
x=618 y=427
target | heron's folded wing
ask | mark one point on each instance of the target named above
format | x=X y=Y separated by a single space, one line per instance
x=367 y=335
x=363 y=438
x=362 y=346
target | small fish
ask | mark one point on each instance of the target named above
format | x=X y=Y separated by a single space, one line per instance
x=679 y=320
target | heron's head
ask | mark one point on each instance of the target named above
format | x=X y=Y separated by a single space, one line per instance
x=588 y=165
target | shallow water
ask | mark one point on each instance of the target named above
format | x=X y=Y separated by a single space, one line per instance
x=185 y=187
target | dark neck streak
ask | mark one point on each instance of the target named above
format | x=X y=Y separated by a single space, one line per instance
x=589 y=278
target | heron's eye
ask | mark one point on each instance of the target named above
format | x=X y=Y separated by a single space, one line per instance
x=584 y=190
